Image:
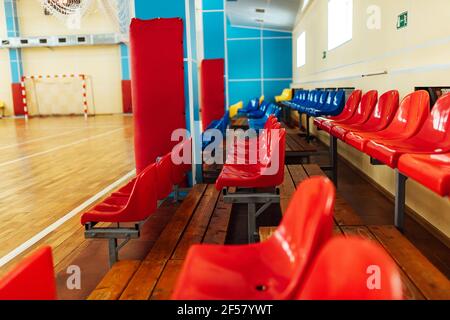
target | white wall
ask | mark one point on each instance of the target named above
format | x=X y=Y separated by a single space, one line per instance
x=415 y=56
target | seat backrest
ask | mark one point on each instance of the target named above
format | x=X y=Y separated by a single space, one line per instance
x=323 y=99
x=315 y=98
x=253 y=104
x=410 y=116
x=365 y=108
x=32 y=279
x=351 y=105
x=352 y=269
x=338 y=102
x=436 y=129
x=143 y=199
x=164 y=184
x=271 y=121
x=306 y=226
x=304 y=96
x=384 y=111
x=330 y=98
x=179 y=170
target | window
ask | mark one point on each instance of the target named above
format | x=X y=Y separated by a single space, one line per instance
x=340 y=22
x=301 y=50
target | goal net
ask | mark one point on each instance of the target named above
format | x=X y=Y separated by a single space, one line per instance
x=57 y=95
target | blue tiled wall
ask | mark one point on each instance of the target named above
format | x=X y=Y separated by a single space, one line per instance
x=259 y=62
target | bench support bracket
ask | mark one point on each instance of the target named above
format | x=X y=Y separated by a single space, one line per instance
x=334 y=159
x=252 y=199
x=400 y=200
x=113 y=235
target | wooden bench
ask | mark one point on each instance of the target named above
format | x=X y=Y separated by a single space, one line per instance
x=203 y=217
x=421 y=279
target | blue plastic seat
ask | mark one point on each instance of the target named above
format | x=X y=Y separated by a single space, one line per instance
x=221 y=125
x=299 y=98
x=333 y=106
x=258 y=124
x=316 y=101
x=252 y=106
x=258 y=113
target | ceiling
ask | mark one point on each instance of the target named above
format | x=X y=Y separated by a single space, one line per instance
x=277 y=15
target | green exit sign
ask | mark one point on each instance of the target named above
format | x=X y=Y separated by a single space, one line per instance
x=402 y=21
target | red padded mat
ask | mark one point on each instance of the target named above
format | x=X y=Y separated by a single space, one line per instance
x=157 y=86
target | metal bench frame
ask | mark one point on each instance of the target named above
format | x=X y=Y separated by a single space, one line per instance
x=115 y=234
x=252 y=198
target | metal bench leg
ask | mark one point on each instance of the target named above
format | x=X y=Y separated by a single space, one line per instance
x=251 y=222
x=400 y=200
x=334 y=158
x=308 y=134
x=113 y=252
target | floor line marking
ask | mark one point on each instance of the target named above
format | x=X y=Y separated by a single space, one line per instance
x=41 y=235
x=57 y=148
x=39 y=139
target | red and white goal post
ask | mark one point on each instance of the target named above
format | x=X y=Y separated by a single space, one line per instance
x=82 y=87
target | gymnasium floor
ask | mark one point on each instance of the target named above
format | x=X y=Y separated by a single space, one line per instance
x=50 y=168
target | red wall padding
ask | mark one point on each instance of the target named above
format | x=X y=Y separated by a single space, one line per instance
x=17 y=99
x=157 y=76
x=126 y=96
x=212 y=90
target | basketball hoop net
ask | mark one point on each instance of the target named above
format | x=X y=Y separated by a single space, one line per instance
x=71 y=12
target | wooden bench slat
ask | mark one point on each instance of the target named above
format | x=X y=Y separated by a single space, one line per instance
x=431 y=282
x=287 y=190
x=220 y=220
x=166 y=283
x=115 y=281
x=199 y=223
x=410 y=291
x=143 y=282
x=266 y=232
x=302 y=143
x=292 y=145
x=314 y=170
x=344 y=214
x=298 y=174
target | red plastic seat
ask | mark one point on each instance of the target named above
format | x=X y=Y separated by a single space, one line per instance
x=244 y=148
x=349 y=109
x=258 y=175
x=274 y=269
x=32 y=279
x=164 y=184
x=380 y=118
x=431 y=170
x=179 y=170
x=433 y=137
x=349 y=269
x=360 y=117
x=125 y=191
x=408 y=120
x=140 y=205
